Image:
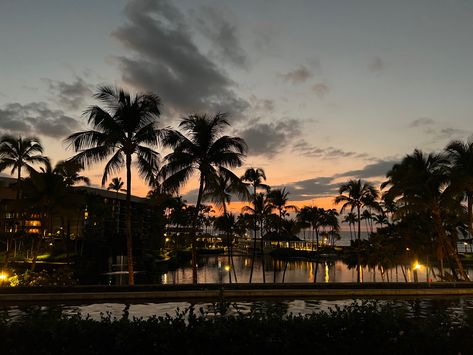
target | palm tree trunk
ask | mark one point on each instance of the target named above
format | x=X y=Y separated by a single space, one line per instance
x=229 y=241
x=358 y=274
x=470 y=214
x=448 y=243
x=253 y=258
x=194 y=229
x=262 y=252
x=359 y=223
x=129 y=240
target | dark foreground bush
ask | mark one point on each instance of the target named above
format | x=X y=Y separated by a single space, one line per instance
x=357 y=329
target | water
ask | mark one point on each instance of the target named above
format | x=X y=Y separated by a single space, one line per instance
x=212 y=270
x=419 y=307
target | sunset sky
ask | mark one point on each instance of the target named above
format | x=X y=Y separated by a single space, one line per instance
x=321 y=90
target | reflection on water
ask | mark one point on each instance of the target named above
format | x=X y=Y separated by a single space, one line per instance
x=213 y=269
x=454 y=306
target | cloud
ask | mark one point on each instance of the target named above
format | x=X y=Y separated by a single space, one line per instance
x=321 y=90
x=36 y=118
x=70 y=95
x=376 y=65
x=265 y=105
x=164 y=59
x=421 y=122
x=307 y=149
x=380 y=168
x=269 y=138
x=325 y=186
x=311 y=188
x=297 y=76
x=216 y=25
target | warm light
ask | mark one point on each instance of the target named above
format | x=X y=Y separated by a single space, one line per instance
x=51 y=244
x=227 y=267
x=465 y=243
x=3 y=276
x=417 y=266
x=167 y=239
x=408 y=249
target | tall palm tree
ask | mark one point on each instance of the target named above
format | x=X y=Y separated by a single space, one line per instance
x=461 y=157
x=202 y=149
x=350 y=218
x=279 y=199
x=420 y=185
x=220 y=191
x=124 y=128
x=356 y=194
x=255 y=177
x=20 y=153
x=46 y=192
x=259 y=214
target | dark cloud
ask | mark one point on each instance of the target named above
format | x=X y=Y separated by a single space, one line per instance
x=311 y=188
x=70 y=95
x=326 y=186
x=164 y=59
x=265 y=105
x=269 y=138
x=376 y=65
x=307 y=149
x=380 y=168
x=297 y=76
x=36 y=118
x=421 y=122
x=216 y=25
x=321 y=90
x=449 y=132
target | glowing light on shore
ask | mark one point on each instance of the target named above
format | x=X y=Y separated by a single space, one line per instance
x=417 y=266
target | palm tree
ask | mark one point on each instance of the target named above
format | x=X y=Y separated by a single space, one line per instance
x=255 y=177
x=126 y=127
x=17 y=154
x=69 y=170
x=20 y=153
x=220 y=192
x=259 y=213
x=356 y=194
x=202 y=149
x=46 y=192
x=461 y=157
x=116 y=185
x=350 y=218
x=420 y=186
x=279 y=198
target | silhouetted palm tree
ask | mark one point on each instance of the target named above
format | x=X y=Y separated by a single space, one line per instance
x=255 y=177
x=279 y=198
x=116 y=185
x=350 y=218
x=220 y=192
x=356 y=194
x=419 y=184
x=17 y=154
x=69 y=170
x=20 y=153
x=202 y=149
x=124 y=128
x=461 y=157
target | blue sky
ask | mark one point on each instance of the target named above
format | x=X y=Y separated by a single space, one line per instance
x=319 y=89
